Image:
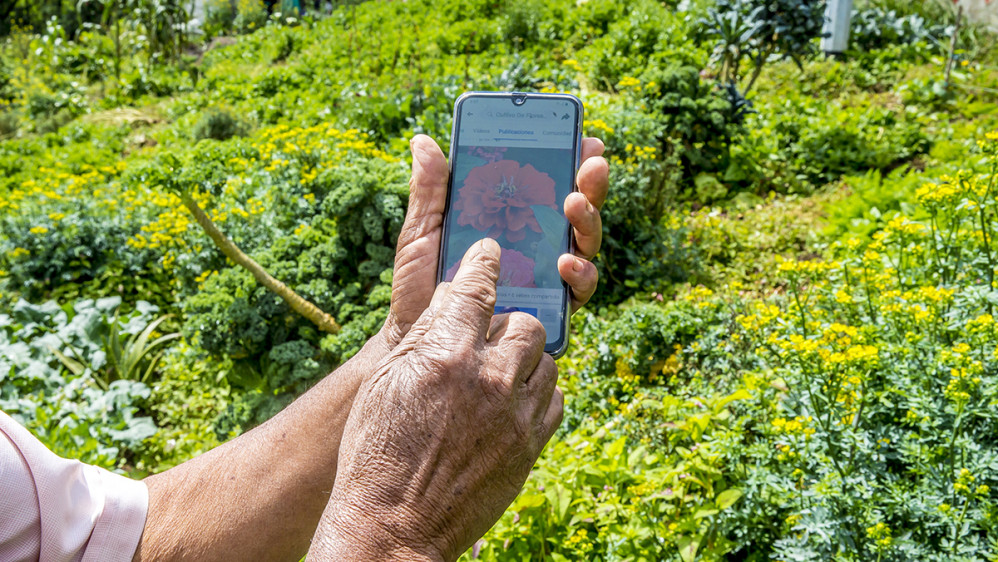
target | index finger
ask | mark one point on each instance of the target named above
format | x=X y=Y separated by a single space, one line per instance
x=466 y=310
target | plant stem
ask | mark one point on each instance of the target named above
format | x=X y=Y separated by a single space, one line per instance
x=952 y=440
x=952 y=46
x=758 y=70
x=959 y=522
x=299 y=304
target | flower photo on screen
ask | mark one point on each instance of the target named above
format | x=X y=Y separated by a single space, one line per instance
x=515 y=270
x=496 y=198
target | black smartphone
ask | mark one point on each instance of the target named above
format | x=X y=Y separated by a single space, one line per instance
x=513 y=161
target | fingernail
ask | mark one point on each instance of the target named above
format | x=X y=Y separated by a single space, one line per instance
x=489 y=246
x=589 y=206
x=439 y=294
x=578 y=265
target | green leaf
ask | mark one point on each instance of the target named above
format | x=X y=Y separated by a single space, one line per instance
x=527 y=501
x=688 y=547
x=464 y=164
x=73 y=365
x=553 y=224
x=636 y=456
x=705 y=512
x=727 y=498
x=740 y=394
x=560 y=499
x=616 y=448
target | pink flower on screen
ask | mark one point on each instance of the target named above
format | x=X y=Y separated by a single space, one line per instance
x=515 y=270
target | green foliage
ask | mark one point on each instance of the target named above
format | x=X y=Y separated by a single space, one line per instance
x=219 y=17
x=873 y=27
x=800 y=142
x=250 y=15
x=57 y=242
x=756 y=30
x=9 y=124
x=186 y=403
x=66 y=409
x=218 y=124
x=129 y=353
x=863 y=425
x=699 y=424
x=341 y=204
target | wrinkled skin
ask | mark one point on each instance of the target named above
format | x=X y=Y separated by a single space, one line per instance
x=443 y=435
x=261 y=495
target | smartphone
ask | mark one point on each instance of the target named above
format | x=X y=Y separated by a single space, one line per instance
x=513 y=161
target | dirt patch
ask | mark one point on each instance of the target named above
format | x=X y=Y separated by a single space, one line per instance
x=130 y=116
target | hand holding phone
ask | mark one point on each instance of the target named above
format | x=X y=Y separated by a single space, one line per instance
x=514 y=159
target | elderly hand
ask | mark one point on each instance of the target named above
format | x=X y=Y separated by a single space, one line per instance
x=419 y=242
x=441 y=438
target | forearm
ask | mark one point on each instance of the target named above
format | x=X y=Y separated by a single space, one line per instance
x=358 y=542
x=259 y=496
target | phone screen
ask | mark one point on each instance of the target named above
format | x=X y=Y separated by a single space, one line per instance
x=513 y=162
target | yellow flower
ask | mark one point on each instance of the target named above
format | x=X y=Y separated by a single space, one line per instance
x=980 y=324
x=628 y=82
x=599 y=126
x=38 y=230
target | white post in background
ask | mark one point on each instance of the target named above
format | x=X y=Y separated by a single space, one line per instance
x=837 y=16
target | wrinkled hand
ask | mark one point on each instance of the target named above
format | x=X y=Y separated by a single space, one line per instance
x=441 y=438
x=419 y=241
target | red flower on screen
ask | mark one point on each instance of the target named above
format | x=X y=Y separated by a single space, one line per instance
x=496 y=198
x=515 y=270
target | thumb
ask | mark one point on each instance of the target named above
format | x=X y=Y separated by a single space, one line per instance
x=419 y=240
x=427 y=189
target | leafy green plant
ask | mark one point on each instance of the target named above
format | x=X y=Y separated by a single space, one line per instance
x=65 y=407
x=757 y=30
x=218 y=124
x=126 y=356
x=874 y=27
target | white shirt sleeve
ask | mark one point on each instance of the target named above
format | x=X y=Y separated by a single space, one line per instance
x=59 y=510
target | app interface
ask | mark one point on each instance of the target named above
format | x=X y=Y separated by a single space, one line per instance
x=513 y=167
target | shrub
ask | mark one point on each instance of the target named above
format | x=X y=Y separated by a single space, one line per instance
x=874 y=27
x=219 y=18
x=339 y=204
x=218 y=124
x=9 y=123
x=798 y=142
x=859 y=421
x=758 y=30
x=66 y=409
x=250 y=15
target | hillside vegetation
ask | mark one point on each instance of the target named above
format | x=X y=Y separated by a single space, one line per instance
x=792 y=354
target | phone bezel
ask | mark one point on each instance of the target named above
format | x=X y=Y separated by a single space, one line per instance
x=560 y=346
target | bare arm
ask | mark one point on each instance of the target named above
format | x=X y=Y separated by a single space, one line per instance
x=261 y=495
x=257 y=497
